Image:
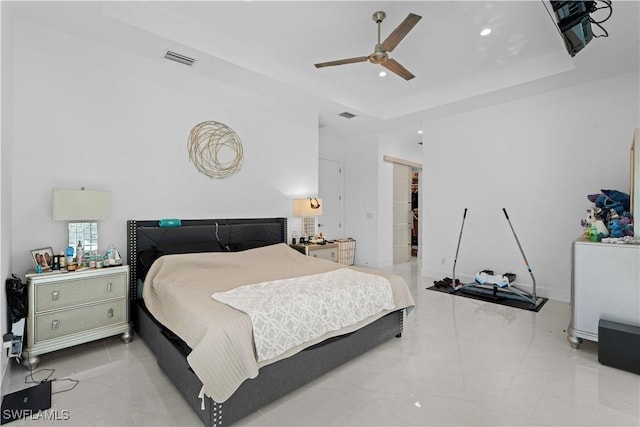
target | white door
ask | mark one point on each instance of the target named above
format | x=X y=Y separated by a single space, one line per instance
x=402 y=215
x=330 y=184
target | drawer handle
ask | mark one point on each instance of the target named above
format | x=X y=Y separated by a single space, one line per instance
x=109 y=287
x=110 y=312
x=55 y=324
x=55 y=295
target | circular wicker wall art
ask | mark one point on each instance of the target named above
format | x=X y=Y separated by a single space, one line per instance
x=215 y=149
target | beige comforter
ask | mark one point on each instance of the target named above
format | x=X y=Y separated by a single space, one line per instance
x=178 y=288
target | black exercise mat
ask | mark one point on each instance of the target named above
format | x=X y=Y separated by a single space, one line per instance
x=27 y=402
x=490 y=298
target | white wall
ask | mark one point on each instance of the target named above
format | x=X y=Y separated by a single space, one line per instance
x=361 y=197
x=368 y=195
x=537 y=157
x=88 y=115
x=5 y=165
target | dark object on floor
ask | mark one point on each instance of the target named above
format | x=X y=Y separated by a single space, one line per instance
x=27 y=402
x=445 y=283
x=619 y=345
x=509 y=302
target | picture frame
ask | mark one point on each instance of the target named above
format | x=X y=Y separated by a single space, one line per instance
x=42 y=257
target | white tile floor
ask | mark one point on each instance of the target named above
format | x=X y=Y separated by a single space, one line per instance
x=459 y=362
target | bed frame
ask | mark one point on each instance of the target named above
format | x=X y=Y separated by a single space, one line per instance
x=274 y=380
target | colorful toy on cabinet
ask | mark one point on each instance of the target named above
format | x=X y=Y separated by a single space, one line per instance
x=615 y=228
x=627 y=223
x=609 y=200
x=612 y=210
x=594 y=221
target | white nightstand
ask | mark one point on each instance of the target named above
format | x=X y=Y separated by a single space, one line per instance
x=66 y=309
x=327 y=251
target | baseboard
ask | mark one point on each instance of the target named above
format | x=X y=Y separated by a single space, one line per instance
x=5 y=364
x=7 y=370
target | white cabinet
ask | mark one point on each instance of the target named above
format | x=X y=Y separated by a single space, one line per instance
x=605 y=284
x=328 y=251
x=67 y=309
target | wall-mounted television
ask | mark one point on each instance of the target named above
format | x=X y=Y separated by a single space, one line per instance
x=574 y=23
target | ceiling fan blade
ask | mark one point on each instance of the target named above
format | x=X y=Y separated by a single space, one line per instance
x=400 y=32
x=396 y=67
x=342 y=61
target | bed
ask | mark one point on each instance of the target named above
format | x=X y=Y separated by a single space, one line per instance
x=172 y=311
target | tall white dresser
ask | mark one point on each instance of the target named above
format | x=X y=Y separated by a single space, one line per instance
x=66 y=309
x=605 y=284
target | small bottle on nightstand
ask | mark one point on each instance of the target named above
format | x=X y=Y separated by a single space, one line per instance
x=69 y=256
x=79 y=254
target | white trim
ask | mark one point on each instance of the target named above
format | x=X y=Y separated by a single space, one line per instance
x=402 y=161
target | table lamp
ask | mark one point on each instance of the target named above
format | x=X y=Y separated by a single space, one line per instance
x=83 y=208
x=308 y=209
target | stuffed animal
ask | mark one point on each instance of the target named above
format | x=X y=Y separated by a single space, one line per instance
x=615 y=228
x=593 y=217
x=627 y=223
x=611 y=199
x=620 y=225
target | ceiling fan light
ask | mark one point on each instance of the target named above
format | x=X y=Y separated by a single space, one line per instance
x=380 y=54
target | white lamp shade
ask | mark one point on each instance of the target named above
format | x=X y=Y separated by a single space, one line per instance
x=303 y=207
x=81 y=205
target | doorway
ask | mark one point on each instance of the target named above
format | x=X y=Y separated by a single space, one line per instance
x=405 y=189
x=415 y=211
x=402 y=214
x=330 y=188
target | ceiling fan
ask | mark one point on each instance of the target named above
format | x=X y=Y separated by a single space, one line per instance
x=381 y=53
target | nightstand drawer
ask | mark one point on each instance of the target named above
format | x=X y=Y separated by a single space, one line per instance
x=82 y=319
x=325 y=253
x=51 y=296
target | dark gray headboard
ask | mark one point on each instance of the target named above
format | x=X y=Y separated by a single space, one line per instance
x=199 y=235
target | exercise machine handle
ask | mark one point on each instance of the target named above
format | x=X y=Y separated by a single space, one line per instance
x=505 y=212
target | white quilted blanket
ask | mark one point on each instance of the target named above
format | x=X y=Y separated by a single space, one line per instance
x=288 y=312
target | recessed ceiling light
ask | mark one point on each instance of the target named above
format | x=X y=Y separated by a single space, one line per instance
x=419 y=132
x=485 y=32
x=382 y=73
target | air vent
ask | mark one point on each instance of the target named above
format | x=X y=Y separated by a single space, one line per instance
x=179 y=58
x=347 y=115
